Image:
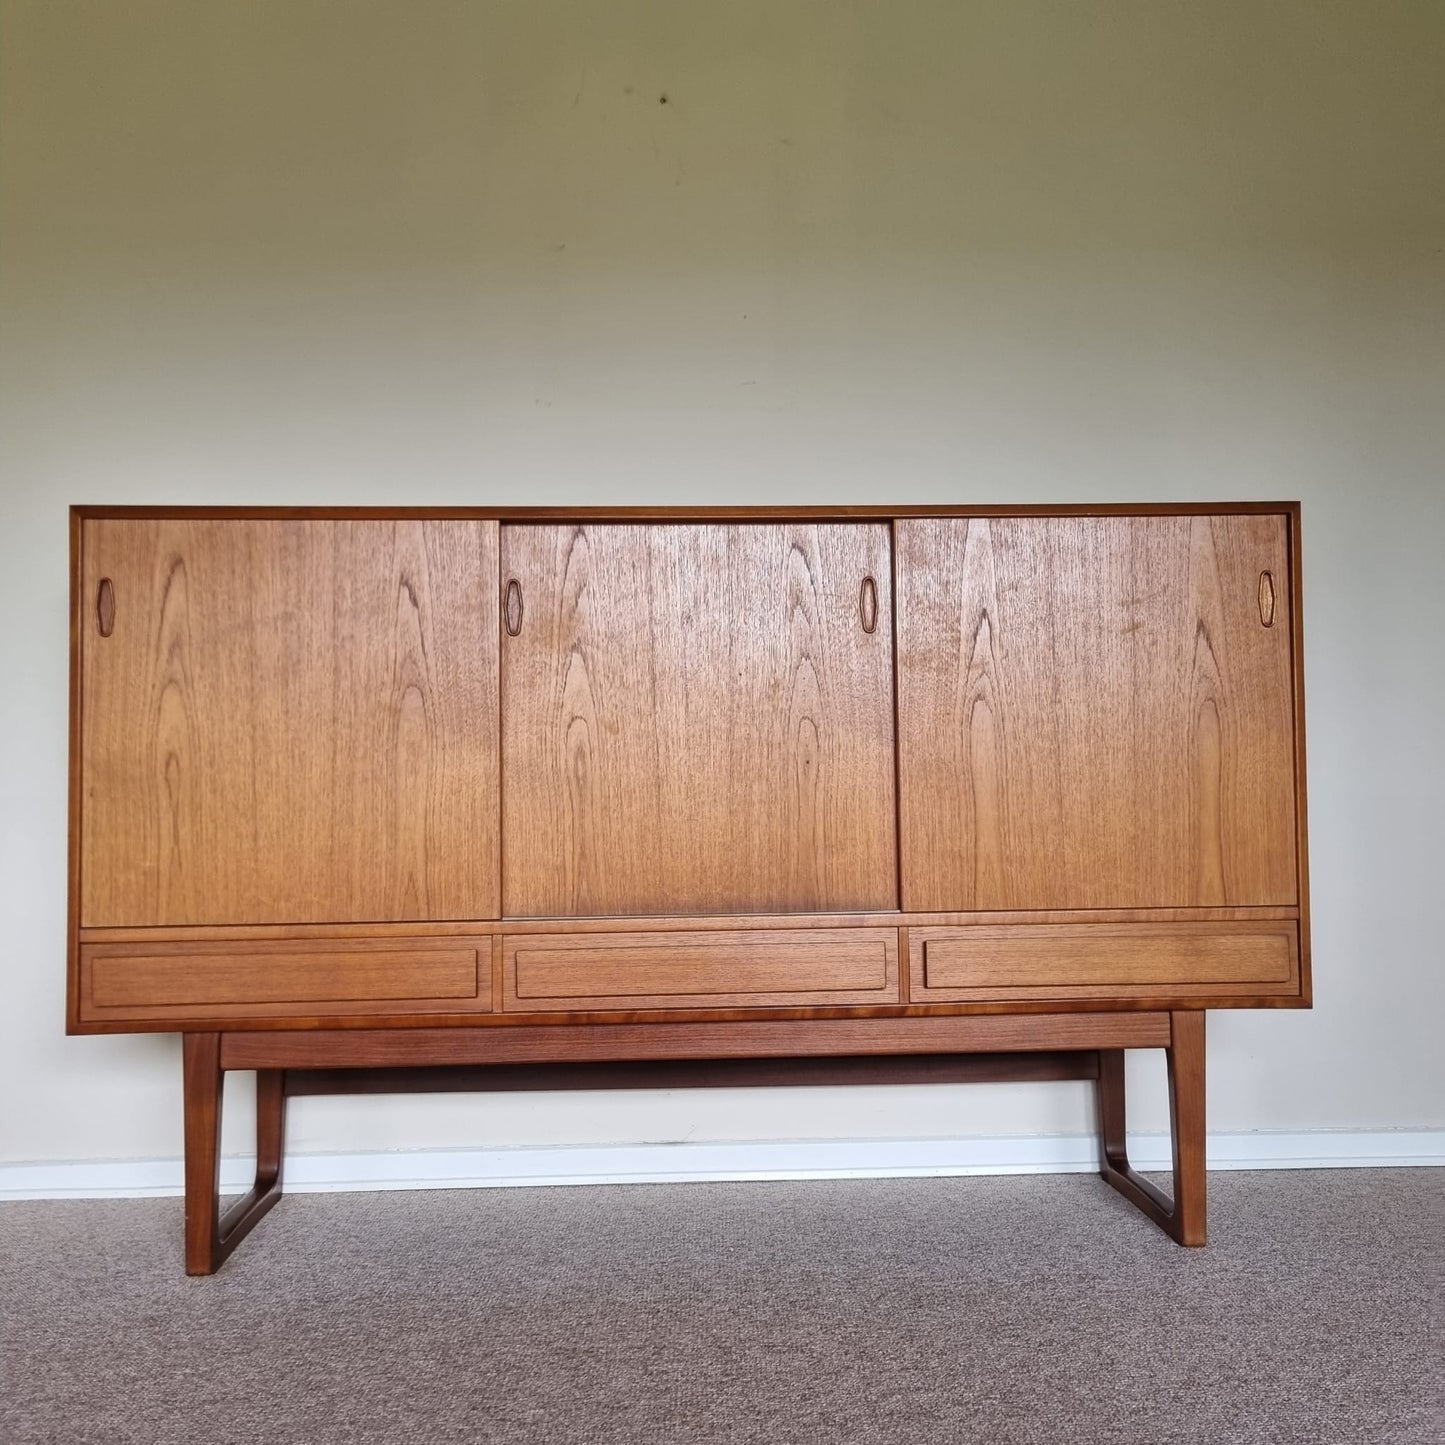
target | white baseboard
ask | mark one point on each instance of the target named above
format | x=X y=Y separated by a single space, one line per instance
x=694 y=1162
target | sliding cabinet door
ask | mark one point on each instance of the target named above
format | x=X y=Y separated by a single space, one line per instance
x=697 y=719
x=1095 y=712
x=288 y=721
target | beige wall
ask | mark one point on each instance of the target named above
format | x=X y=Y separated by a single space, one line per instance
x=287 y=251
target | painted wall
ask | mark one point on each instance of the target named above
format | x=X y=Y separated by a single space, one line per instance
x=291 y=251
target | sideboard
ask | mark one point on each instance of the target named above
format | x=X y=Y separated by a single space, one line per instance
x=520 y=798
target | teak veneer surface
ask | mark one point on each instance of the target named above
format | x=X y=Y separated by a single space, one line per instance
x=697 y=718
x=640 y=970
x=744 y=967
x=268 y=974
x=1093 y=712
x=1099 y=960
x=289 y=721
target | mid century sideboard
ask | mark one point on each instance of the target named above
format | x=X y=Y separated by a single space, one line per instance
x=534 y=798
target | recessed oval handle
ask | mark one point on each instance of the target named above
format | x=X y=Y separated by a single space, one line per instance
x=1266 y=598
x=512 y=609
x=868 y=604
x=105 y=607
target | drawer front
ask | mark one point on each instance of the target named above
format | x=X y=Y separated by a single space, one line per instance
x=278 y=978
x=734 y=968
x=1103 y=960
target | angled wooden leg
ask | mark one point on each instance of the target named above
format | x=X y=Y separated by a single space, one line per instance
x=201 y=1056
x=211 y=1236
x=270 y=1128
x=1182 y=1217
x=1113 y=1142
x=1186 y=1121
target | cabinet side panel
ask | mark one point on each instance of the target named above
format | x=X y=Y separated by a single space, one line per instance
x=74 y=784
x=1296 y=593
x=289 y=721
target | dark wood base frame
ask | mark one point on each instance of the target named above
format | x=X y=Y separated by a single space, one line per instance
x=1028 y=1048
x=210 y=1234
x=1182 y=1217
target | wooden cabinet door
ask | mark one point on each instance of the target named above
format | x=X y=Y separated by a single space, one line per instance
x=697 y=719
x=288 y=721
x=1095 y=712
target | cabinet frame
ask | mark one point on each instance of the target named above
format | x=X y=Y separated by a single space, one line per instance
x=81 y=616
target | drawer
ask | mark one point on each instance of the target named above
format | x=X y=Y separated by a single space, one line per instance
x=1105 y=960
x=736 y=968
x=273 y=977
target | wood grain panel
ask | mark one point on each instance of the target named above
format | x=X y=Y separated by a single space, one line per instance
x=639 y=970
x=1092 y=713
x=175 y=985
x=145 y=980
x=291 y=721
x=695 y=719
x=964 y=961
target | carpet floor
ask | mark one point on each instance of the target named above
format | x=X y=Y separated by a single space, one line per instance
x=984 y=1309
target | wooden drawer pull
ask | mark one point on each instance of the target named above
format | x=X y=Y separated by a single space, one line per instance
x=868 y=604
x=1266 y=598
x=105 y=607
x=512 y=611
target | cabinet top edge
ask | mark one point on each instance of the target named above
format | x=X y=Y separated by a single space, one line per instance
x=89 y=512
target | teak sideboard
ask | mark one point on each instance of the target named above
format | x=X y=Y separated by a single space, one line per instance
x=542 y=798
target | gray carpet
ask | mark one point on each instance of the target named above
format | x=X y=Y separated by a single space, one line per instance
x=997 y=1310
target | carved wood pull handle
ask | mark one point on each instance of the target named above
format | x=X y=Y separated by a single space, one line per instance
x=868 y=604
x=1266 y=598
x=105 y=607
x=512 y=610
